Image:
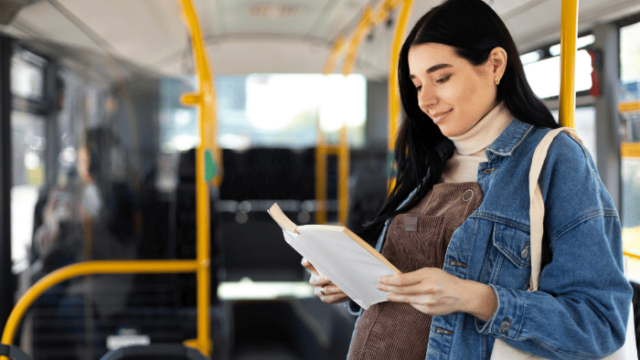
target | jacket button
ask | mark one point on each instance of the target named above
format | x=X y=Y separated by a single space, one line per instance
x=467 y=195
x=524 y=253
x=505 y=326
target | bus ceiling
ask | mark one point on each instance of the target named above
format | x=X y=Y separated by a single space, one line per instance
x=292 y=37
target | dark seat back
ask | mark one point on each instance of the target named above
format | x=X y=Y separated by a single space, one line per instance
x=155 y=352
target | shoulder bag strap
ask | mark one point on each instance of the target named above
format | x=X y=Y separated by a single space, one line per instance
x=536 y=210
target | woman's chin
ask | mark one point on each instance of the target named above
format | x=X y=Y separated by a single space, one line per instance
x=446 y=130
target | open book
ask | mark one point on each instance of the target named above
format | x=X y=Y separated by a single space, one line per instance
x=340 y=255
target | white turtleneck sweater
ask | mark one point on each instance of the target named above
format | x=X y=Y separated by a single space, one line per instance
x=470 y=146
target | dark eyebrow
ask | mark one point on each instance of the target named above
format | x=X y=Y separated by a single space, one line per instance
x=434 y=69
x=437 y=67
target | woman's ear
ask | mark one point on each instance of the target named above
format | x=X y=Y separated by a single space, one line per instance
x=498 y=61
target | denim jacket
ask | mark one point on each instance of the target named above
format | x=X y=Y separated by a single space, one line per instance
x=581 y=308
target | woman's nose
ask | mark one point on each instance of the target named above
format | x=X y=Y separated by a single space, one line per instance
x=426 y=100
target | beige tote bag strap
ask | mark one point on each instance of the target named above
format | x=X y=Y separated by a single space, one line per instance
x=536 y=210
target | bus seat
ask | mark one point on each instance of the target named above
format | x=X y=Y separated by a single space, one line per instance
x=13 y=352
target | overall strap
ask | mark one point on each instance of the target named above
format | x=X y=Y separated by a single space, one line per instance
x=536 y=210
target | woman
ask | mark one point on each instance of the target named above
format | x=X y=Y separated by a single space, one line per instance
x=457 y=221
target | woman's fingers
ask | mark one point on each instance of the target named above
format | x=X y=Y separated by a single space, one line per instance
x=323 y=287
x=319 y=280
x=415 y=299
x=406 y=279
x=307 y=265
x=330 y=294
x=334 y=299
x=328 y=290
x=419 y=288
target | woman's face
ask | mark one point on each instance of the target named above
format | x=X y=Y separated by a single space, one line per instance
x=451 y=91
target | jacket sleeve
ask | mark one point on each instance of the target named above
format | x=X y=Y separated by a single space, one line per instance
x=582 y=306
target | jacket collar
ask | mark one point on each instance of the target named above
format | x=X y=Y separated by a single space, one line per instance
x=508 y=140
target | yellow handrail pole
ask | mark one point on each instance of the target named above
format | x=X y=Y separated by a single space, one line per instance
x=321 y=179
x=370 y=18
x=201 y=266
x=368 y=21
x=334 y=55
x=568 y=36
x=364 y=26
x=343 y=176
x=632 y=254
x=394 y=91
x=205 y=100
x=321 y=147
x=88 y=268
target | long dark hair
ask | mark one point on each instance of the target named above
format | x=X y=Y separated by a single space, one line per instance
x=474 y=30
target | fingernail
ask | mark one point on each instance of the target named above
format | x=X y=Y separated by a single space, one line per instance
x=379 y=286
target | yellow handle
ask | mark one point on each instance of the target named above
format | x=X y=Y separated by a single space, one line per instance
x=88 y=268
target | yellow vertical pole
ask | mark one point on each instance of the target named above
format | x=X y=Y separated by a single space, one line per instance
x=321 y=147
x=204 y=99
x=343 y=151
x=394 y=91
x=568 y=36
x=321 y=179
x=343 y=176
x=369 y=19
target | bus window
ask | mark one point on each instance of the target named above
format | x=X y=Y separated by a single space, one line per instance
x=630 y=52
x=585 y=124
x=28 y=144
x=544 y=74
x=269 y=110
x=630 y=77
x=27 y=75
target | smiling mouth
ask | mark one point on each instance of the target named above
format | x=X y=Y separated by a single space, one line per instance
x=440 y=116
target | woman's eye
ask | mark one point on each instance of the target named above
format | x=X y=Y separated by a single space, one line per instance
x=418 y=88
x=443 y=80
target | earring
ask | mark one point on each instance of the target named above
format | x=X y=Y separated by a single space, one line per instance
x=497 y=81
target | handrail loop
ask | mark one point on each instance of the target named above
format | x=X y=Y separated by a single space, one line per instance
x=88 y=268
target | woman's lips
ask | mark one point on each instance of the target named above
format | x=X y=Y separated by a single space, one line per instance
x=438 y=117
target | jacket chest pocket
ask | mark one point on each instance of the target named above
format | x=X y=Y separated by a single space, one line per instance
x=510 y=257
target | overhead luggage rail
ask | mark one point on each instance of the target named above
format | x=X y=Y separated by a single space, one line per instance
x=208 y=155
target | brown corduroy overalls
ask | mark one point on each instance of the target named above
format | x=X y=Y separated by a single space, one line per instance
x=417 y=239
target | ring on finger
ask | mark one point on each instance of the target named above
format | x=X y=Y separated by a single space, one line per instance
x=322 y=290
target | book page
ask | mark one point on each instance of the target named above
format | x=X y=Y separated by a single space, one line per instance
x=342 y=260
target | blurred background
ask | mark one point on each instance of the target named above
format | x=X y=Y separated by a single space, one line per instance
x=97 y=156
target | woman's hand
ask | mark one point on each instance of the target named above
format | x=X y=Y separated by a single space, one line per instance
x=436 y=292
x=323 y=287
